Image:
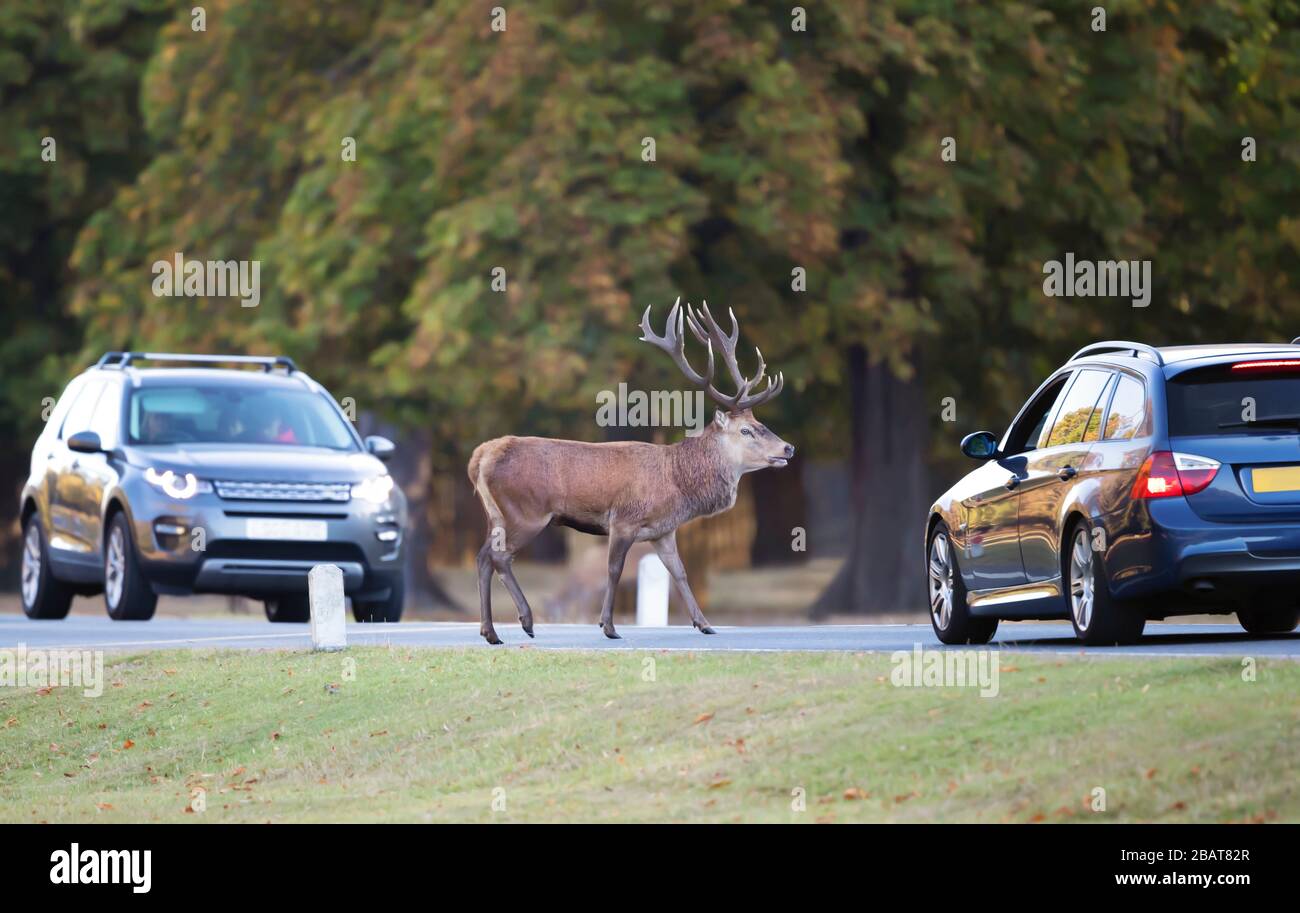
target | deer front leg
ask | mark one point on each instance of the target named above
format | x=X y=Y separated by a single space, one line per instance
x=618 y=546
x=485 y=630
x=666 y=546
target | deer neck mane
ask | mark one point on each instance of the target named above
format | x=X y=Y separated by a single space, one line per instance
x=703 y=474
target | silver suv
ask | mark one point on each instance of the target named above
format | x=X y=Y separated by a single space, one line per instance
x=193 y=478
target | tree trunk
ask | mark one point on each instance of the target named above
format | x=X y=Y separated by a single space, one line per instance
x=888 y=495
x=780 y=506
x=412 y=468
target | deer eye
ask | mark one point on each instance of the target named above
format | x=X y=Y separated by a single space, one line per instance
x=746 y=432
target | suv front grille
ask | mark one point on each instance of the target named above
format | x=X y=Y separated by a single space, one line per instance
x=284 y=491
x=263 y=549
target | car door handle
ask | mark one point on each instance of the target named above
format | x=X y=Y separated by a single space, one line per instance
x=1067 y=473
x=1012 y=483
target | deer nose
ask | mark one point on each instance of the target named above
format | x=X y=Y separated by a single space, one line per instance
x=789 y=450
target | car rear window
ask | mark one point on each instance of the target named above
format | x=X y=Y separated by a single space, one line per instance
x=1219 y=401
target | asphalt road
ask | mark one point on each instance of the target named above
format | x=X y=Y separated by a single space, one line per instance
x=184 y=633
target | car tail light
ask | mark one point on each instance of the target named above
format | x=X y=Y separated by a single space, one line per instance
x=1166 y=474
x=1268 y=364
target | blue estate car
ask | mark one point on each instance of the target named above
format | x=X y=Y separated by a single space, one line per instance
x=1136 y=483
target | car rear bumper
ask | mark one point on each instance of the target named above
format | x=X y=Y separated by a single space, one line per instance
x=1176 y=551
x=204 y=544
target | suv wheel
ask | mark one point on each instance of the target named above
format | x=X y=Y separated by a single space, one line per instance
x=43 y=596
x=1098 y=618
x=127 y=594
x=1278 y=620
x=291 y=608
x=382 y=610
x=949 y=613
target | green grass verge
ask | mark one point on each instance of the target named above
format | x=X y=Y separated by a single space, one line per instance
x=436 y=735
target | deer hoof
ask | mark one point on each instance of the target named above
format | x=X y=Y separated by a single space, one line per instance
x=528 y=629
x=491 y=637
x=705 y=629
x=612 y=634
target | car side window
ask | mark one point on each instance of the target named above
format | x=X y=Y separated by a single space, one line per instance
x=1072 y=421
x=1128 y=410
x=83 y=408
x=107 y=417
x=1093 y=431
x=1027 y=432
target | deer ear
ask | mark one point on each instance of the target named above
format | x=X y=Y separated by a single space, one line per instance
x=721 y=419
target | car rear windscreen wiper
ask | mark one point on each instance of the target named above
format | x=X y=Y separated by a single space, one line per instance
x=1267 y=421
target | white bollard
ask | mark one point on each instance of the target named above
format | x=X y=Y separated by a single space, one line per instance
x=325 y=593
x=651 y=593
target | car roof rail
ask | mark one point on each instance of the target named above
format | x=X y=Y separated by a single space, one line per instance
x=1296 y=341
x=124 y=360
x=1121 y=345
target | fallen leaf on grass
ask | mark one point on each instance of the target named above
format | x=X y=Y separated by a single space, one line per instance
x=854 y=793
x=378 y=732
x=128 y=744
x=719 y=783
x=703 y=718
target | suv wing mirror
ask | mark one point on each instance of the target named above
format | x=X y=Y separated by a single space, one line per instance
x=982 y=445
x=379 y=446
x=85 y=442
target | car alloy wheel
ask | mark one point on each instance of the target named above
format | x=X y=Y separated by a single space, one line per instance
x=1082 y=580
x=115 y=567
x=31 y=564
x=941 y=581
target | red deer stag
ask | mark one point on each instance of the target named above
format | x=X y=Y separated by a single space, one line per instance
x=628 y=490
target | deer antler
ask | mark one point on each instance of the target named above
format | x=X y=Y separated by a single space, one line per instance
x=702 y=320
x=674 y=343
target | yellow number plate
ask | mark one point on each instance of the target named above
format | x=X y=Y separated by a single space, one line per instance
x=1283 y=479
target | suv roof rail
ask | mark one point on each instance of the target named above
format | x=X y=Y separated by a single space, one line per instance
x=1121 y=345
x=1296 y=341
x=124 y=359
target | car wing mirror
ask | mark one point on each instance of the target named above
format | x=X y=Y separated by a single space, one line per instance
x=85 y=442
x=981 y=445
x=379 y=446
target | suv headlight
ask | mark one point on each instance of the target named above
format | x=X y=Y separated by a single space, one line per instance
x=180 y=487
x=375 y=490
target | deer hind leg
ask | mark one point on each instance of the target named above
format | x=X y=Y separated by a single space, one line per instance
x=666 y=547
x=502 y=560
x=619 y=543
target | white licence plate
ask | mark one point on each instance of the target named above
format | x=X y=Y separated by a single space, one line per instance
x=301 y=530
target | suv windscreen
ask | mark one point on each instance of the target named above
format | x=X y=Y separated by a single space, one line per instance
x=232 y=414
x=1214 y=401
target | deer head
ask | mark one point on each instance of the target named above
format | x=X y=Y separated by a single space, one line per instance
x=747 y=444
